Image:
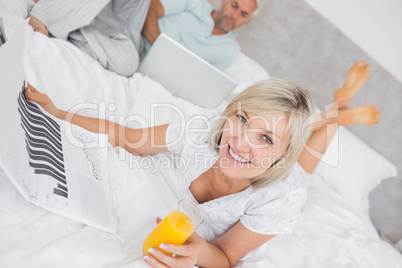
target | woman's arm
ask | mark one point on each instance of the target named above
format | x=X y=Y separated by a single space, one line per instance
x=150 y=29
x=137 y=141
x=239 y=241
x=224 y=251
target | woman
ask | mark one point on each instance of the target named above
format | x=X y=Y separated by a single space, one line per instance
x=249 y=189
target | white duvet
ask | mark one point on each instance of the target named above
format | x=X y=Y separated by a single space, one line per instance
x=330 y=233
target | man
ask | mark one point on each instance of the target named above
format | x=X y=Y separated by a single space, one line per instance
x=101 y=29
x=200 y=28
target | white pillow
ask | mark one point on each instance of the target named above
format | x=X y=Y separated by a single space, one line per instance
x=17 y=8
x=353 y=168
x=246 y=71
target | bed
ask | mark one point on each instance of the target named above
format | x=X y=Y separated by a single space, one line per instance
x=334 y=229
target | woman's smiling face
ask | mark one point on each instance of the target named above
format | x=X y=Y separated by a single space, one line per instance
x=250 y=144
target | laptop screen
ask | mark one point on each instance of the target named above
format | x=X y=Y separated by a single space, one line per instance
x=185 y=74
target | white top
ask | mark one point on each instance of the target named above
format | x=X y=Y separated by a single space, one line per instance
x=271 y=210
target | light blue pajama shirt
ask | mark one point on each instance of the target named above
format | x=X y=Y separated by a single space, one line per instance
x=190 y=23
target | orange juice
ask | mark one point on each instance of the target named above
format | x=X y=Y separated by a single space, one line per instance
x=175 y=228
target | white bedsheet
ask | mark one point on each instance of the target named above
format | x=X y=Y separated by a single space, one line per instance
x=329 y=234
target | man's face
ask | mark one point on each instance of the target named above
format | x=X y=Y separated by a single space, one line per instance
x=235 y=13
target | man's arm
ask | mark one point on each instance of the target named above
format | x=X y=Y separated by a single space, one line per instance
x=38 y=26
x=151 y=29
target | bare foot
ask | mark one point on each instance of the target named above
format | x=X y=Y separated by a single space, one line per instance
x=357 y=76
x=38 y=26
x=364 y=115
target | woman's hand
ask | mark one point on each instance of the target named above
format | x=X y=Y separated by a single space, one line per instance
x=32 y=94
x=185 y=255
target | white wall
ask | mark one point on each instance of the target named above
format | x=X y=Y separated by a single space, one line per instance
x=374 y=25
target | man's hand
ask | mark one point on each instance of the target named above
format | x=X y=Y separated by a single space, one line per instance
x=150 y=30
x=38 y=26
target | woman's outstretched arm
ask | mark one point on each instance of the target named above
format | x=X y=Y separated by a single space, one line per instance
x=137 y=141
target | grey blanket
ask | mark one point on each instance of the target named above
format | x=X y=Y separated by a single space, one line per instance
x=107 y=30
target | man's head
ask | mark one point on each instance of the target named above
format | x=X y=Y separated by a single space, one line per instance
x=235 y=13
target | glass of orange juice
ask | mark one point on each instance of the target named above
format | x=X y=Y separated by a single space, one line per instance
x=176 y=227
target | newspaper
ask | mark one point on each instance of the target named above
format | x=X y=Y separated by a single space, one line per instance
x=3 y=37
x=53 y=164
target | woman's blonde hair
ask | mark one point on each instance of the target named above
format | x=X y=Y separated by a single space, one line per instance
x=273 y=97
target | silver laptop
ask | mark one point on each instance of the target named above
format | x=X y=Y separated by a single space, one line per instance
x=185 y=74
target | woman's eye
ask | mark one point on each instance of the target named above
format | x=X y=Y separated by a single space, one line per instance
x=242 y=119
x=267 y=139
